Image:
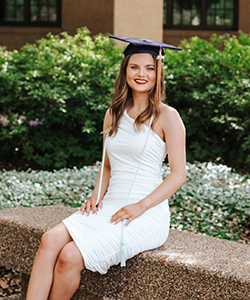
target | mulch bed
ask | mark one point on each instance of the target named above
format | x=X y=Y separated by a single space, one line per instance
x=10 y=282
x=244 y=237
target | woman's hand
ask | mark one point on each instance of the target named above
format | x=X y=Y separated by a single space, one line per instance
x=91 y=204
x=129 y=212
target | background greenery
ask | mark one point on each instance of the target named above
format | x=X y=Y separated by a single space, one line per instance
x=211 y=90
x=53 y=96
x=212 y=202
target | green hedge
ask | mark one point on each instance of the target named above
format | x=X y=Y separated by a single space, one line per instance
x=63 y=85
x=211 y=90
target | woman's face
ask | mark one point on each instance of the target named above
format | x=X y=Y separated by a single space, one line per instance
x=141 y=72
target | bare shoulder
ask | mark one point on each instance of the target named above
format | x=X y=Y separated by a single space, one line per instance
x=169 y=115
x=171 y=122
x=168 y=112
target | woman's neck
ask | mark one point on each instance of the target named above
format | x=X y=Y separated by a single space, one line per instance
x=140 y=102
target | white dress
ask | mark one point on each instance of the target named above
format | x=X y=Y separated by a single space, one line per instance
x=98 y=240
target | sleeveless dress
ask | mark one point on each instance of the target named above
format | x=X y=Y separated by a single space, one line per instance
x=98 y=240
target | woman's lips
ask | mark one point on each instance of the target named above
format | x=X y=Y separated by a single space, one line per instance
x=140 y=81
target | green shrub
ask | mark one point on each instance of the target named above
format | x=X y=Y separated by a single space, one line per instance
x=211 y=90
x=54 y=95
x=64 y=83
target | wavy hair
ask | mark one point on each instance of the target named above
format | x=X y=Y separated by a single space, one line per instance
x=122 y=99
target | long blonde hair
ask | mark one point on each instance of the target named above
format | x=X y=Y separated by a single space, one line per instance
x=122 y=99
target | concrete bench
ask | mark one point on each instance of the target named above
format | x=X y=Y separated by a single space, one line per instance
x=187 y=266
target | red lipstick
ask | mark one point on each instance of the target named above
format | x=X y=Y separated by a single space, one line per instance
x=140 y=81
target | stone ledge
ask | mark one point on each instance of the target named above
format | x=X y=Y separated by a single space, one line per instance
x=187 y=266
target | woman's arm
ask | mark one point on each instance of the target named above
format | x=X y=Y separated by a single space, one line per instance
x=91 y=203
x=174 y=132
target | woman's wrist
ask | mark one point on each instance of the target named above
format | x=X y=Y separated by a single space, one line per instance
x=145 y=203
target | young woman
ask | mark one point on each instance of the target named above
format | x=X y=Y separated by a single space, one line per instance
x=131 y=214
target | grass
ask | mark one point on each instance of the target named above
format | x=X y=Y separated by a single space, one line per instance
x=214 y=201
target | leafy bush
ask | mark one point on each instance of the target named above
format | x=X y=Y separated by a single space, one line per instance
x=211 y=90
x=212 y=202
x=53 y=96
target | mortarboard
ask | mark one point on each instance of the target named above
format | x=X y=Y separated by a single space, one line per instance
x=142 y=45
x=146 y=46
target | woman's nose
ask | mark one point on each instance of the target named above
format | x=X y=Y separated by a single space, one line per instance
x=142 y=72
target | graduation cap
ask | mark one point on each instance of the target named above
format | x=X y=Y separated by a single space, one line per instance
x=147 y=46
x=143 y=46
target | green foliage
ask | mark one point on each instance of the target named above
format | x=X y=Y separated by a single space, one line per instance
x=214 y=200
x=37 y=188
x=63 y=83
x=211 y=90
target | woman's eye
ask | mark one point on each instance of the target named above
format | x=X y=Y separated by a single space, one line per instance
x=134 y=67
x=151 y=68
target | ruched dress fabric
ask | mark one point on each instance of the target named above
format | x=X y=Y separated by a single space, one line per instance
x=98 y=240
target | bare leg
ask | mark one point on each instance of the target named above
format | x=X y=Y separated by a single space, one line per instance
x=67 y=273
x=41 y=277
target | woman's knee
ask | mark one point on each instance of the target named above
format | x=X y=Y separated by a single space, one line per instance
x=70 y=258
x=55 y=239
x=47 y=242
